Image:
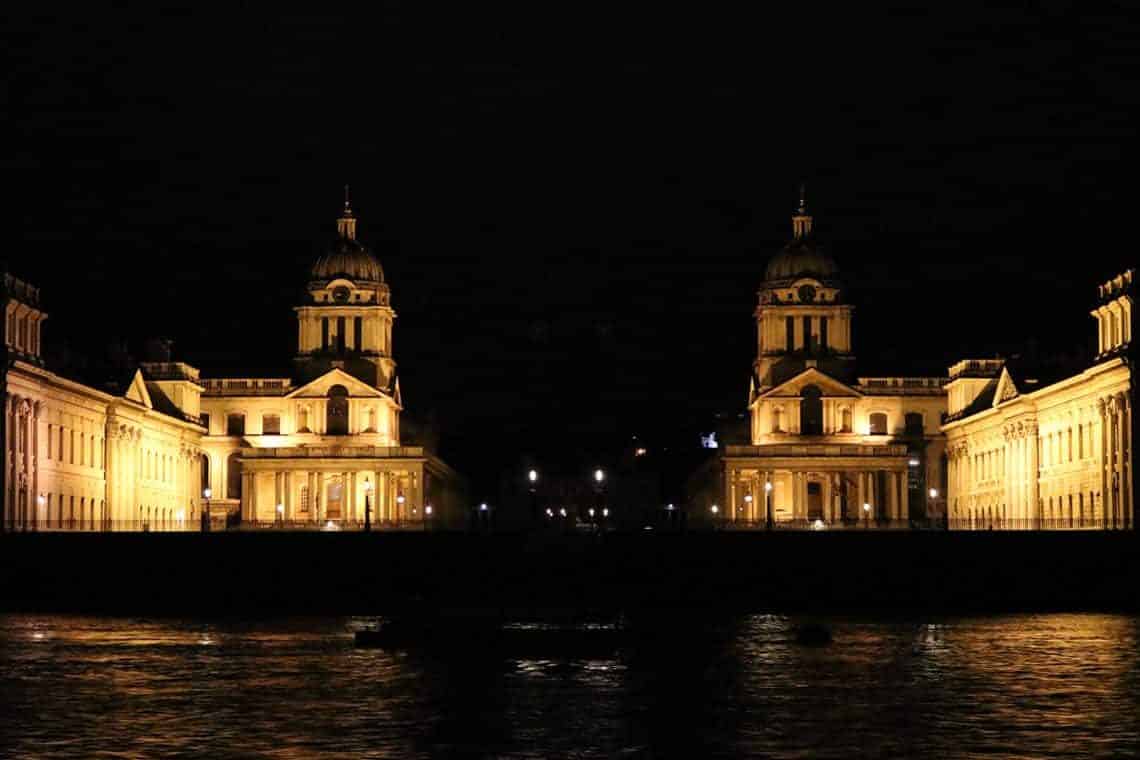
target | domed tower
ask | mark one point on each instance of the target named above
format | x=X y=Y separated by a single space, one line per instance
x=802 y=320
x=346 y=322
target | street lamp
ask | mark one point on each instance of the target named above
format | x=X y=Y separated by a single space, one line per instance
x=768 y=504
x=367 y=505
x=427 y=514
x=399 y=507
x=748 y=506
x=867 y=512
x=532 y=476
x=599 y=476
x=281 y=514
x=206 y=494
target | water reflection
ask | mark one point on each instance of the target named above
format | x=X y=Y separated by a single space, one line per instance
x=1024 y=685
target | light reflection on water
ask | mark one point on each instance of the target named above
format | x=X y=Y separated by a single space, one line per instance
x=1010 y=686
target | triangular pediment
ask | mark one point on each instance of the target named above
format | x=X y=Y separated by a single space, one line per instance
x=319 y=388
x=137 y=391
x=1006 y=388
x=827 y=385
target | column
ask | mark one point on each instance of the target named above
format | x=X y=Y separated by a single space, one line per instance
x=314 y=497
x=383 y=505
x=34 y=502
x=415 y=488
x=827 y=499
x=729 y=504
x=289 y=496
x=9 y=462
x=1110 y=465
x=1031 y=514
x=278 y=495
x=1126 y=467
x=1118 y=459
x=350 y=513
x=795 y=495
x=892 y=495
x=29 y=464
x=904 y=496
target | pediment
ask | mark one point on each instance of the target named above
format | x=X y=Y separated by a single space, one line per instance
x=827 y=385
x=319 y=388
x=137 y=391
x=1006 y=388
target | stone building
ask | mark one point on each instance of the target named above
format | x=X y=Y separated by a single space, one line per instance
x=1030 y=454
x=168 y=449
x=981 y=447
x=828 y=446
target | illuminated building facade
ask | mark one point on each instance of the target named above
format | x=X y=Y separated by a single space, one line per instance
x=1026 y=454
x=827 y=446
x=978 y=448
x=167 y=447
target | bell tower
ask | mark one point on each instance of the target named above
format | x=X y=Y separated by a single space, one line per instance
x=346 y=320
x=802 y=319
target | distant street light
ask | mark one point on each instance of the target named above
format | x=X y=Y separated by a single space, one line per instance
x=532 y=476
x=867 y=512
x=281 y=514
x=599 y=476
x=768 y=504
x=206 y=494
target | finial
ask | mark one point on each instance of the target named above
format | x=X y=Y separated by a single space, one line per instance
x=346 y=224
x=801 y=220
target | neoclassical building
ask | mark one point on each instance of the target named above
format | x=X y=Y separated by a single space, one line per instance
x=978 y=448
x=169 y=450
x=1028 y=454
x=827 y=446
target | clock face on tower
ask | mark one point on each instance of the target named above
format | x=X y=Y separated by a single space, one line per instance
x=340 y=294
x=807 y=293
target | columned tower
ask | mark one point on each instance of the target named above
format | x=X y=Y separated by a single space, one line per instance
x=346 y=321
x=802 y=319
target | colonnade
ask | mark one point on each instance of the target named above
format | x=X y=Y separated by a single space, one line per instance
x=303 y=494
x=843 y=492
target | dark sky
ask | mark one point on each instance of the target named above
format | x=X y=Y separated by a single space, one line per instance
x=573 y=248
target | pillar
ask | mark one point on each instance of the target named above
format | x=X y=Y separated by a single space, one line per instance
x=1126 y=469
x=1118 y=459
x=828 y=506
x=904 y=496
x=1031 y=513
x=892 y=495
x=1108 y=468
x=350 y=508
x=729 y=505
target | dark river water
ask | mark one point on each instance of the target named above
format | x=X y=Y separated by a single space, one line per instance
x=1007 y=686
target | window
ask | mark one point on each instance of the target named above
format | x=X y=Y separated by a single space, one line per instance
x=270 y=424
x=823 y=333
x=337 y=411
x=206 y=423
x=61 y=429
x=233 y=477
x=49 y=441
x=776 y=421
x=914 y=425
x=340 y=335
x=305 y=499
x=235 y=424
x=205 y=463
x=71 y=448
x=811 y=411
x=846 y=421
x=790 y=328
x=878 y=424
x=807 y=334
x=324 y=333
x=303 y=419
x=358 y=333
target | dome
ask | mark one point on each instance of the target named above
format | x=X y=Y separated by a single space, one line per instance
x=801 y=257
x=348 y=258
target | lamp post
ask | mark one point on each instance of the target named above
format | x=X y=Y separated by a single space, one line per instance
x=945 y=511
x=427 y=514
x=532 y=477
x=281 y=515
x=867 y=512
x=599 y=486
x=367 y=505
x=206 y=494
x=748 y=506
x=715 y=511
x=768 y=521
x=399 y=508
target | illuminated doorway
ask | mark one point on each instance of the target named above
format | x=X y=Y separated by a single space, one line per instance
x=334 y=498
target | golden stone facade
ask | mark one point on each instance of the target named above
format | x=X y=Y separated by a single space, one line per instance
x=829 y=448
x=169 y=450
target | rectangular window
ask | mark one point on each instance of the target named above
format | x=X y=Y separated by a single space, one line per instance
x=49 y=441
x=325 y=334
x=790 y=326
x=235 y=424
x=270 y=424
x=807 y=334
x=823 y=333
x=61 y=430
x=71 y=448
x=206 y=423
x=358 y=333
x=340 y=335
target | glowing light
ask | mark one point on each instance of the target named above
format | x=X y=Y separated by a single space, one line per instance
x=591 y=511
x=914 y=463
x=768 y=486
x=400 y=499
x=549 y=512
x=562 y=511
x=427 y=510
x=818 y=525
x=605 y=511
x=747 y=498
x=934 y=493
x=599 y=476
x=714 y=509
x=181 y=515
x=367 y=486
x=207 y=493
x=483 y=507
x=532 y=476
x=41 y=500
x=280 y=509
x=669 y=507
x=866 y=507
x=640 y=452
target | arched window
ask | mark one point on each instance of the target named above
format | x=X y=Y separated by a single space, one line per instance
x=914 y=425
x=811 y=411
x=846 y=421
x=205 y=472
x=233 y=476
x=337 y=422
x=878 y=424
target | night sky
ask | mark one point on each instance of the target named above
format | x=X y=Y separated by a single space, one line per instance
x=573 y=249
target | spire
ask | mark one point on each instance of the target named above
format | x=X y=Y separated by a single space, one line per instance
x=346 y=224
x=801 y=220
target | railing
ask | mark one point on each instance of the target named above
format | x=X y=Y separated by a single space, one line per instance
x=977 y=368
x=246 y=386
x=333 y=525
x=221 y=526
x=816 y=449
x=348 y=450
x=803 y=524
x=1057 y=523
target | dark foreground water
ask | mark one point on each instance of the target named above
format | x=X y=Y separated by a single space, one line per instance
x=1009 y=686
